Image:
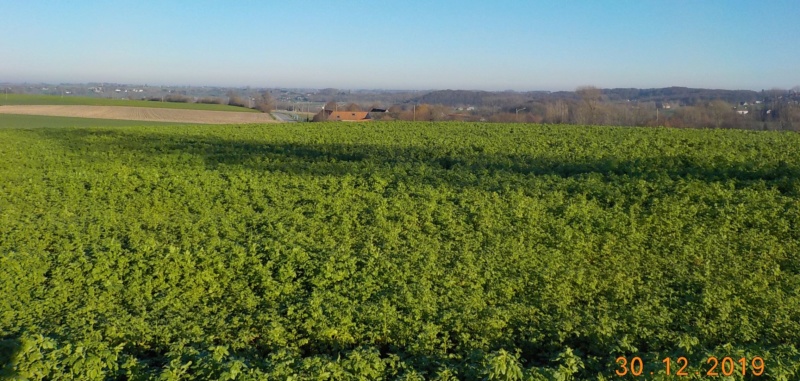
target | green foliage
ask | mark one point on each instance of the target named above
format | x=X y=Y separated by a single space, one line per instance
x=505 y=366
x=407 y=251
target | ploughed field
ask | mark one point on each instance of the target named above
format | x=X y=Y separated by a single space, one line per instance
x=149 y=114
x=398 y=251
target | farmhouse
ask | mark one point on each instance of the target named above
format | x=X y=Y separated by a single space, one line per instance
x=345 y=116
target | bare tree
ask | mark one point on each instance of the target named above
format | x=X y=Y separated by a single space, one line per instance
x=556 y=112
x=235 y=100
x=794 y=118
x=719 y=111
x=687 y=116
x=590 y=104
x=352 y=107
x=787 y=116
x=265 y=102
x=332 y=106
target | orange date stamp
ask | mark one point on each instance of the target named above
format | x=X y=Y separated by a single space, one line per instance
x=727 y=366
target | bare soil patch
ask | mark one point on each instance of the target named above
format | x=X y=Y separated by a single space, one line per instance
x=141 y=113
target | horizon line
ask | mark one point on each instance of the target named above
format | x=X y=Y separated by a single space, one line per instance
x=5 y=83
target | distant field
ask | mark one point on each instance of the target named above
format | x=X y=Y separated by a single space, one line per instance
x=28 y=121
x=139 y=113
x=30 y=99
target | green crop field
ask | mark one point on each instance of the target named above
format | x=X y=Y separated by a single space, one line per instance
x=399 y=251
x=28 y=121
x=28 y=99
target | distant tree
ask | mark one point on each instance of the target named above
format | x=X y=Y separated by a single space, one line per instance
x=591 y=97
x=395 y=112
x=178 y=98
x=332 y=106
x=533 y=118
x=419 y=112
x=787 y=116
x=428 y=112
x=503 y=117
x=235 y=100
x=265 y=102
x=794 y=118
x=210 y=100
x=535 y=112
x=556 y=112
x=405 y=112
x=719 y=111
x=352 y=107
x=643 y=113
x=321 y=116
x=688 y=116
x=440 y=112
x=395 y=109
x=617 y=114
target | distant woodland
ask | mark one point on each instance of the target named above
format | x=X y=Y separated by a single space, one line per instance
x=672 y=107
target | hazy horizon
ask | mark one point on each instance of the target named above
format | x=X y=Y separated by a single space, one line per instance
x=421 y=90
x=520 y=46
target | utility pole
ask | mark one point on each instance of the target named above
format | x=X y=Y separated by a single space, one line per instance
x=415 y=112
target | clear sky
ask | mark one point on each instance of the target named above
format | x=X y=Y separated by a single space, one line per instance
x=426 y=44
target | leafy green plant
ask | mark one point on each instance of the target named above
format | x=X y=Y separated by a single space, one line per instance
x=395 y=251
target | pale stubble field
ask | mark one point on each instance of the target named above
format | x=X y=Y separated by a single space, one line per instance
x=139 y=113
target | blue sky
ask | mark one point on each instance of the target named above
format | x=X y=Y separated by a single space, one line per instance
x=488 y=45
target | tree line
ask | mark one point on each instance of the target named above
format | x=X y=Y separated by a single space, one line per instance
x=776 y=110
x=263 y=101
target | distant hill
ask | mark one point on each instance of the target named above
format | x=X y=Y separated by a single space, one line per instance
x=684 y=95
x=457 y=97
x=471 y=98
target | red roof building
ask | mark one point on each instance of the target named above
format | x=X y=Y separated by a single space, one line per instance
x=347 y=116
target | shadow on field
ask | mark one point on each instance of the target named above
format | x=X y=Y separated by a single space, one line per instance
x=466 y=165
x=8 y=350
